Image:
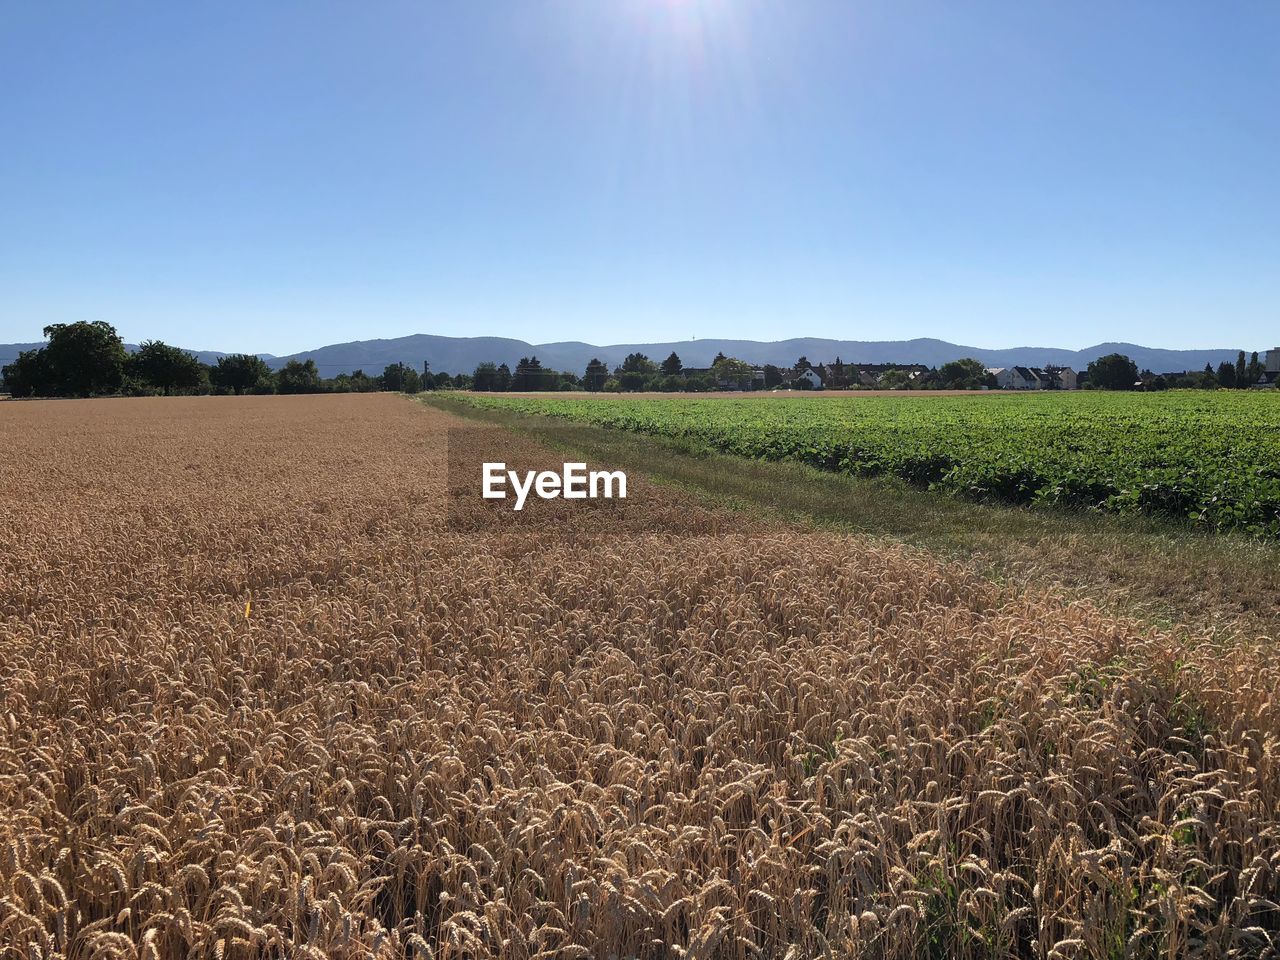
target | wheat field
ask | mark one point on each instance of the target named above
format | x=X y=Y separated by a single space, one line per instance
x=263 y=696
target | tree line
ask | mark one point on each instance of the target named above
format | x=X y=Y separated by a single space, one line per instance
x=1118 y=372
x=89 y=359
x=638 y=372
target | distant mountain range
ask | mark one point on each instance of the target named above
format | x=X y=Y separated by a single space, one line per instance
x=463 y=354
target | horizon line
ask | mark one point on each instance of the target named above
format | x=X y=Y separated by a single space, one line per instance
x=694 y=340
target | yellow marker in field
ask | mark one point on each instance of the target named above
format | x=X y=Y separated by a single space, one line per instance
x=248 y=605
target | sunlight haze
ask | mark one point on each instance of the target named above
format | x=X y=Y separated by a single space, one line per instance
x=274 y=177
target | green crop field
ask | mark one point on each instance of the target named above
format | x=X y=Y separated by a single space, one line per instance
x=1209 y=457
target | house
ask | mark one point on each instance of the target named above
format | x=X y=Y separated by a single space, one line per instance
x=1018 y=378
x=1035 y=378
x=1060 y=378
x=1271 y=370
x=814 y=380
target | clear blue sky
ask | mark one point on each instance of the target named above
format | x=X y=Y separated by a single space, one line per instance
x=273 y=176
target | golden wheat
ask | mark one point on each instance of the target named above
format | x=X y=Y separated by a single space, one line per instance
x=264 y=697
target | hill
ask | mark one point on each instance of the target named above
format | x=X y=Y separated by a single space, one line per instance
x=462 y=354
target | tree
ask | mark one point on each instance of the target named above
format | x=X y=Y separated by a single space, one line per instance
x=28 y=375
x=156 y=364
x=1115 y=371
x=1242 y=371
x=838 y=378
x=295 y=377
x=485 y=376
x=239 y=372
x=520 y=379
x=488 y=376
x=632 y=380
x=772 y=375
x=672 y=365
x=84 y=358
x=597 y=373
x=637 y=363
x=924 y=380
x=361 y=382
x=966 y=374
x=1226 y=374
x=802 y=365
x=731 y=370
x=1253 y=373
x=400 y=377
x=530 y=375
x=895 y=379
